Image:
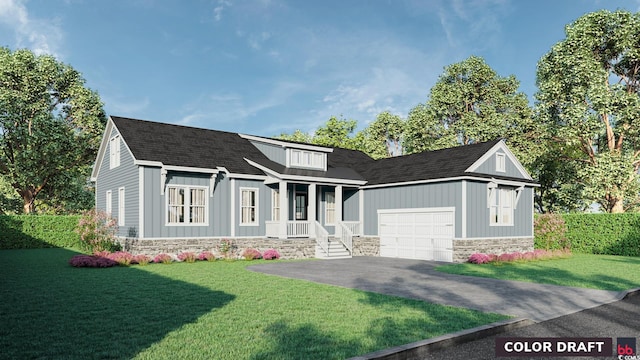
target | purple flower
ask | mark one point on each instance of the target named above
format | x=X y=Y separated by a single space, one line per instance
x=271 y=254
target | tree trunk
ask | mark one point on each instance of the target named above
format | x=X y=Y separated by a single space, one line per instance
x=618 y=205
x=28 y=198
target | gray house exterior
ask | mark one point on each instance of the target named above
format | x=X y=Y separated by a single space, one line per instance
x=175 y=188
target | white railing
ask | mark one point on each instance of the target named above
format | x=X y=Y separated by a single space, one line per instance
x=322 y=238
x=272 y=229
x=297 y=229
x=345 y=235
x=353 y=226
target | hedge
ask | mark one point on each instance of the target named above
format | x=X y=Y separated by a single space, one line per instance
x=610 y=234
x=38 y=231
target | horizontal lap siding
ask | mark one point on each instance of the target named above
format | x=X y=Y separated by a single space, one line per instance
x=125 y=175
x=478 y=214
x=446 y=194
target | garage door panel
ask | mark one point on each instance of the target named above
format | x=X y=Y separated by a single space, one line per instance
x=421 y=234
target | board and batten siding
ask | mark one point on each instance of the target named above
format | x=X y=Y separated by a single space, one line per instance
x=155 y=206
x=125 y=175
x=272 y=152
x=446 y=194
x=489 y=167
x=351 y=205
x=478 y=225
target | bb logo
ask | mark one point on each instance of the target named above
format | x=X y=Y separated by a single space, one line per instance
x=626 y=346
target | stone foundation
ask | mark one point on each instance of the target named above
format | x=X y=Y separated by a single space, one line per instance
x=288 y=248
x=366 y=246
x=462 y=249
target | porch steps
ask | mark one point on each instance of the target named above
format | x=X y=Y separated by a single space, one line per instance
x=336 y=251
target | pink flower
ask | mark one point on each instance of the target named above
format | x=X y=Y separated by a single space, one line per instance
x=271 y=254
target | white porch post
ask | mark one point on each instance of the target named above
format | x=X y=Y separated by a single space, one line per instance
x=338 y=203
x=284 y=209
x=311 y=212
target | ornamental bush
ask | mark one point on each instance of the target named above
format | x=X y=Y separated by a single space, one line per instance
x=251 y=254
x=480 y=258
x=38 y=231
x=187 y=256
x=207 y=256
x=271 y=254
x=163 y=259
x=141 y=259
x=550 y=232
x=97 y=230
x=123 y=258
x=91 y=261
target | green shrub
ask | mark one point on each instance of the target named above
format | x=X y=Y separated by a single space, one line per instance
x=38 y=231
x=610 y=234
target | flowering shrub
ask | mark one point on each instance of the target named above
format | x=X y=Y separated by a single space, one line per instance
x=97 y=231
x=206 y=256
x=187 y=256
x=141 y=259
x=480 y=258
x=91 y=261
x=550 y=232
x=271 y=254
x=163 y=258
x=226 y=246
x=251 y=254
x=123 y=258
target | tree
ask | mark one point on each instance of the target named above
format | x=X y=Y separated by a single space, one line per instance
x=50 y=124
x=297 y=136
x=336 y=132
x=470 y=103
x=383 y=137
x=588 y=98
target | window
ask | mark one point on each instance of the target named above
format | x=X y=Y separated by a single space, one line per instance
x=301 y=206
x=114 y=152
x=307 y=159
x=275 y=205
x=109 y=203
x=248 y=206
x=501 y=206
x=121 y=206
x=500 y=162
x=187 y=205
x=330 y=208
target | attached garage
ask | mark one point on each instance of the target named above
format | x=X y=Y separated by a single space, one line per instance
x=425 y=233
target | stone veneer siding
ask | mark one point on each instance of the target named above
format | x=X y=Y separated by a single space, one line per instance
x=288 y=249
x=366 y=246
x=462 y=249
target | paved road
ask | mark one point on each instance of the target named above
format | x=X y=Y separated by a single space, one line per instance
x=417 y=279
x=618 y=319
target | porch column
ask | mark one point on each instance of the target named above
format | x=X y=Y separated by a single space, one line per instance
x=311 y=212
x=338 y=203
x=284 y=209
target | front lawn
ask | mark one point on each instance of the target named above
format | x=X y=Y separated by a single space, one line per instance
x=204 y=310
x=605 y=272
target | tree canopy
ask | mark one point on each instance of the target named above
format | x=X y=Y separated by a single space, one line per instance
x=588 y=100
x=50 y=126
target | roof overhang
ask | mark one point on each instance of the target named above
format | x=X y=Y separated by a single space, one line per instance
x=274 y=176
x=455 y=178
x=286 y=144
x=500 y=146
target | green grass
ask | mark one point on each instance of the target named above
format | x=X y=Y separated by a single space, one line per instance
x=198 y=311
x=605 y=272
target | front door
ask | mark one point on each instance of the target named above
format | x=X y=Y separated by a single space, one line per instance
x=301 y=206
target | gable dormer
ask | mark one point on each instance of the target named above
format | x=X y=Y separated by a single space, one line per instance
x=291 y=154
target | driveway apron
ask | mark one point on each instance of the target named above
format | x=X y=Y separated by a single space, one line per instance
x=417 y=279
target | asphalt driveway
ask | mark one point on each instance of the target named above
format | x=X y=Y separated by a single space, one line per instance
x=417 y=279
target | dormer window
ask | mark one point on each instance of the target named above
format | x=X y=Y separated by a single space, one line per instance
x=307 y=159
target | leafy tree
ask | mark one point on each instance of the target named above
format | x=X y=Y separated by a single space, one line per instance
x=383 y=137
x=471 y=103
x=336 y=132
x=588 y=98
x=297 y=136
x=50 y=124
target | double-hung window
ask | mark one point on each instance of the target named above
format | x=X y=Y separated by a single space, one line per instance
x=121 y=206
x=501 y=206
x=108 y=202
x=187 y=205
x=248 y=206
x=114 y=152
x=275 y=205
x=501 y=162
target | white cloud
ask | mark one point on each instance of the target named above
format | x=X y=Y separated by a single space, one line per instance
x=217 y=11
x=40 y=35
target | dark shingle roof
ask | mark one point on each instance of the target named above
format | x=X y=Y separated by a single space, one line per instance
x=202 y=148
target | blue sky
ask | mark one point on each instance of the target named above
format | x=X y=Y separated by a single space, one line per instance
x=264 y=67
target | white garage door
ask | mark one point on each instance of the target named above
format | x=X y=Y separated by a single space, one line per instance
x=425 y=234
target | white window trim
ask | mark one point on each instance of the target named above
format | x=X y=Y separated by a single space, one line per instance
x=121 y=206
x=256 y=221
x=501 y=162
x=186 y=206
x=108 y=202
x=114 y=152
x=496 y=201
x=312 y=156
x=326 y=208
